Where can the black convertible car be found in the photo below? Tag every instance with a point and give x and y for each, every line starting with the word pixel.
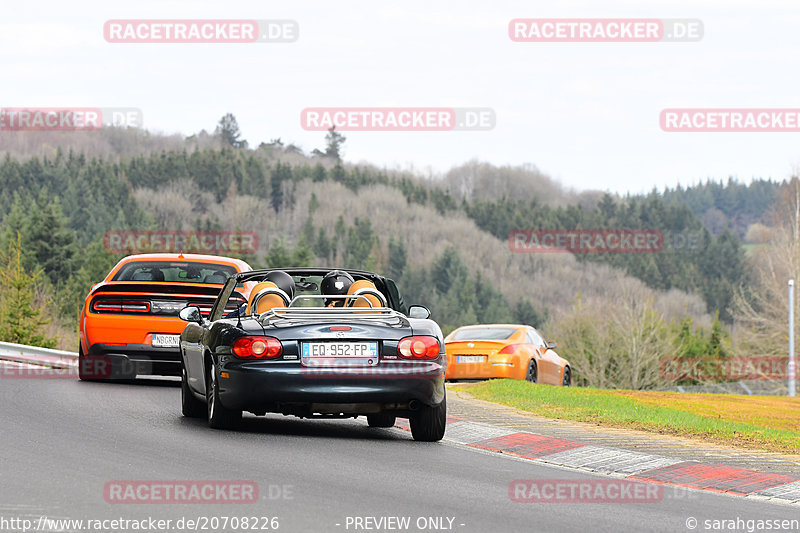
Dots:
pixel 314 342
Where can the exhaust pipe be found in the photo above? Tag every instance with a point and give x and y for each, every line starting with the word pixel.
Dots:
pixel 413 405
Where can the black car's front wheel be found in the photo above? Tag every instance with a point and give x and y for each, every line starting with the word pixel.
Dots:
pixel 428 423
pixel 381 420
pixel 219 416
pixel 190 406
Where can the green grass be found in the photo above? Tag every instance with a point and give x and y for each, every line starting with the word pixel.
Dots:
pixel 765 423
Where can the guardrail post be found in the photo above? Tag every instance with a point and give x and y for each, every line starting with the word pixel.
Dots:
pixel 792 365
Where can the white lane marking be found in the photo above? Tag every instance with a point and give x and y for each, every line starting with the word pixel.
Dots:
pixel 610 460
pixel 470 432
pixel 790 491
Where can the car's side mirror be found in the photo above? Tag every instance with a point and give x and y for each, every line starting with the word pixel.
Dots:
pixel 191 314
pixel 419 311
pixel 551 345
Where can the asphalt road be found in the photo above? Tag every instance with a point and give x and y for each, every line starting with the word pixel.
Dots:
pixel 61 441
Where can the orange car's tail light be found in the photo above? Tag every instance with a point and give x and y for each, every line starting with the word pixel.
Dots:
pixel 121 306
pixel 418 347
pixel 257 347
pixel 509 349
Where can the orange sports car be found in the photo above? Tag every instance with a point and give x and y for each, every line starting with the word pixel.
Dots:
pixel 504 351
pixel 129 324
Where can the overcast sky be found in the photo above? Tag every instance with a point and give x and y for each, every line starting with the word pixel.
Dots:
pixel 585 113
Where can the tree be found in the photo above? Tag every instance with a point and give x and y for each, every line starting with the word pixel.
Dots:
pixel 322 246
pixel 525 313
pixel 95 264
pixel 48 243
pixel 280 174
pixel 761 306
pixel 398 258
pixel 615 344
pixel 20 320
pixel 279 256
pixel 313 204
pixel 319 173
pixel 334 141
pixel 360 240
pixel 228 130
pixel 303 256
pixel 446 269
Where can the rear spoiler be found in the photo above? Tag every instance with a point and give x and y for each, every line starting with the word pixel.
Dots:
pixel 194 289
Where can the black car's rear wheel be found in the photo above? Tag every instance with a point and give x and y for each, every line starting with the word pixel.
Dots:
pixel 190 406
pixel 428 423
pixel 532 374
pixel 219 417
pixel 381 420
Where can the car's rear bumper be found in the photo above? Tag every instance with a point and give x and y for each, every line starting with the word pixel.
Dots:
pixel 273 387
pixel 486 370
pixel 129 329
pixel 139 359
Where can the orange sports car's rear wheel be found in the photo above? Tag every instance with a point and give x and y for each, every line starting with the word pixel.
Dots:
pixel 532 374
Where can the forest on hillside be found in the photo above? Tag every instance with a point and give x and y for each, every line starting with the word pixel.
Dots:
pixel 442 238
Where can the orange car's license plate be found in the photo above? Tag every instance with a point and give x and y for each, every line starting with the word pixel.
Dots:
pixel 161 340
pixel 469 359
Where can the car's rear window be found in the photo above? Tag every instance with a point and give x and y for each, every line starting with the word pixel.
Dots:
pixel 483 334
pixel 174 272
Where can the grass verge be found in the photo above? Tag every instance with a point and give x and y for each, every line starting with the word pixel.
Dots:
pixel 757 422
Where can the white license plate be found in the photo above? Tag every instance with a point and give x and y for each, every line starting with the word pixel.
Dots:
pixel 340 349
pixel 161 340
pixel 469 359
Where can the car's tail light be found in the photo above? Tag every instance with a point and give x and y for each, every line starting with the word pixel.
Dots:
pixel 121 306
pixel 418 347
pixel 257 347
pixel 509 349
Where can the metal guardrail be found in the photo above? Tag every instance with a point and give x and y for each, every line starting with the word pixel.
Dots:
pixel 22 353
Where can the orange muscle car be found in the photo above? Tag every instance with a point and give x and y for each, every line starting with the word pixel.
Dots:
pixel 129 324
